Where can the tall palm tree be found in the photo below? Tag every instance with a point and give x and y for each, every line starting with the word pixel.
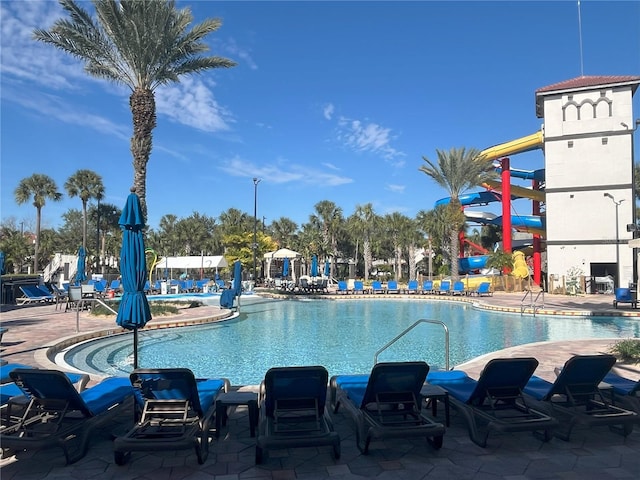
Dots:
pixel 330 218
pixel 40 188
pixel 365 223
pixel 457 170
pixel 284 231
pixel 85 184
pixel 141 45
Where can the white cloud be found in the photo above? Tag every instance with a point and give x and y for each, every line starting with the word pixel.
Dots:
pixel 284 172
pixel 396 188
pixel 328 110
pixel 238 54
pixel 191 103
pixel 369 137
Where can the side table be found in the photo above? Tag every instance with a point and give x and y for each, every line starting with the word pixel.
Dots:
pixel 233 399
pixel 432 395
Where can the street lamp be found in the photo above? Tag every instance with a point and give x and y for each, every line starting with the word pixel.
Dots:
pixel 617 204
pixel 256 181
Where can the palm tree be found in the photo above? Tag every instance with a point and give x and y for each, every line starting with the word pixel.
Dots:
pixel 329 216
pixel 365 222
pixel 141 45
pixel 40 188
pixel 85 184
pixel 456 171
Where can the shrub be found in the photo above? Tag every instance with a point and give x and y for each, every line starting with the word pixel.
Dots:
pixel 627 350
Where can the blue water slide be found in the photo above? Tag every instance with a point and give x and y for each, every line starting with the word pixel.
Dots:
pixel 519 222
pixel 525 174
pixel 468 264
pixel 475 198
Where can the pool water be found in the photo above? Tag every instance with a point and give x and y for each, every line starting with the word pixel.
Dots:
pixel 342 335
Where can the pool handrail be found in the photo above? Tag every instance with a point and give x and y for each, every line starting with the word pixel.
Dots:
pixel 411 327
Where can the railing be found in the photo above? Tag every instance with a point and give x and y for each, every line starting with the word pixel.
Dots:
pixel 52 268
pixel 533 305
pixel 91 300
pixel 408 329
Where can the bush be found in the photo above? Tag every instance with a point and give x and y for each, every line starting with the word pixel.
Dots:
pixel 627 350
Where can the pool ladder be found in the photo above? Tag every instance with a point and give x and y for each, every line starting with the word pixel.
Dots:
pixel 533 304
pixel 408 329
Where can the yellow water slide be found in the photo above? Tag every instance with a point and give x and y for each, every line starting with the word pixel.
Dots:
pixel 516 190
pixel 520 145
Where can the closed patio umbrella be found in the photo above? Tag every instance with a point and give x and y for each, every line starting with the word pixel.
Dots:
pixel 1 263
pixel 134 312
pixel 285 268
pixel 314 266
pixel 81 274
pixel 327 268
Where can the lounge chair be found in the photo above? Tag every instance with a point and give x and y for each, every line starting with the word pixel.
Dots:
pixel 458 288
pixel 575 398
pixel 624 295
pixel 376 287
pixel 495 401
pixel 387 403
pixel 177 412
pixel 445 288
pixel 60 295
pixel 6 369
pixel 10 391
pixel 622 390
pixel 483 290
pixel 57 415
pixel 358 287
pixel 342 287
pixel 392 287
pixel 114 287
pixel 412 286
pixel 293 411
pixel 427 286
pixel 33 294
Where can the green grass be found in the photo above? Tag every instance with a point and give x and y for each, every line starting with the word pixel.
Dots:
pixel 158 309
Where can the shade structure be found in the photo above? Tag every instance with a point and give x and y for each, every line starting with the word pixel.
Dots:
pixel 314 266
pixel 285 268
pixel 134 312
pixel 81 274
pixel 327 268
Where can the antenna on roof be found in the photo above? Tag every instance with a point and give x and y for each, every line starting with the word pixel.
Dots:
pixel 580 40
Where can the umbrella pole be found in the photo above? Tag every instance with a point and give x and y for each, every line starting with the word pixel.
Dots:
pixel 135 348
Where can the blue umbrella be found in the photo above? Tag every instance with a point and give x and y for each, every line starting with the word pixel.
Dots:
pixel 81 275
pixel 133 312
pixel 327 268
pixel 314 266
pixel 285 268
pixel 1 263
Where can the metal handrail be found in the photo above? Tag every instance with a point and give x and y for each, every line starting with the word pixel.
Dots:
pixel 92 301
pixel 406 330
pixel 522 307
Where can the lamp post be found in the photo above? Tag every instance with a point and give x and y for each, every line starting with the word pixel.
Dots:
pixel 617 204
pixel 256 181
pixel 98 236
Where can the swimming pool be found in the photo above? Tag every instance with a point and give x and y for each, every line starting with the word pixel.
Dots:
pixel 342 335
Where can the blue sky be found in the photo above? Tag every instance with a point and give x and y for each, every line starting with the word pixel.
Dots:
pixel 329 101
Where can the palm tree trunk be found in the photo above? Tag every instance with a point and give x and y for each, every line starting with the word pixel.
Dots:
pixel 143 110
pixel 454 252
pixel 366 247
pixel 37 244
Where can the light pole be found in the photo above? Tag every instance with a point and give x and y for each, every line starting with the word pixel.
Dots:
pixel 256 181
pixel 617 204
pixel 98 236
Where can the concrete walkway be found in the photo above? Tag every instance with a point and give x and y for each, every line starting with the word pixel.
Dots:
pixel 591 454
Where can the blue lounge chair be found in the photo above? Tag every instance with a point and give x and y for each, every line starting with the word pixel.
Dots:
pixel 624 295
pixel 483 290
pixel 427 286
pixel 392 287
pixel 57 415
pixel 10 391
pixel 445 287
pixel 495 401
pixel 293 411
pixel 575 398
pixel 387 404
pixel 358 287
pixel 376 287
pixel 177 412
pixel 458 288
pixel 33 294
pixel 342 287
pixel 624 391
pixel 412 286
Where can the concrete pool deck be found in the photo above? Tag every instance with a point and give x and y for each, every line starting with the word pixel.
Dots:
pixel 591 453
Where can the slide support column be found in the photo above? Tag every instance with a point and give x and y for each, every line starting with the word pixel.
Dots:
pixel 506 204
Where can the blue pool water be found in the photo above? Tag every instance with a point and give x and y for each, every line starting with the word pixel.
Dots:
pixel 341 335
